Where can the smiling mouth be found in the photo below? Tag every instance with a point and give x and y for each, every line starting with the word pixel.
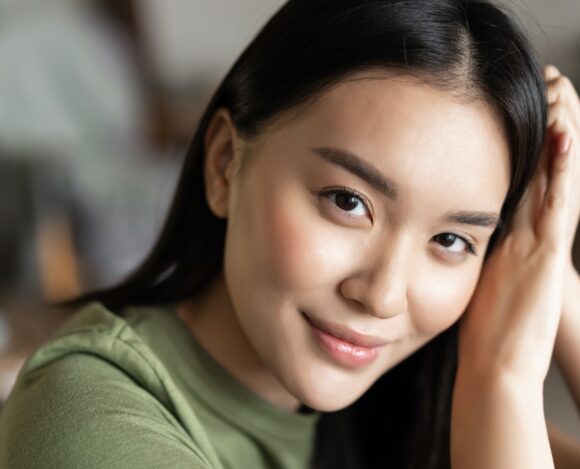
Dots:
pixel 346 334
pixel 341 351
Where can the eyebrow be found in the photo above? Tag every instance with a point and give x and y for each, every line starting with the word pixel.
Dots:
pixel 368 173
pixel 485 219
pixel 359 167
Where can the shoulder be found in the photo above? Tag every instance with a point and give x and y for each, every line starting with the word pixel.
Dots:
pixel 93 396
pixel 94 331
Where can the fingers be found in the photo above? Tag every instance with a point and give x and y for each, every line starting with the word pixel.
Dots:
pixel 564 131
pixel 553 222
pixel 559 138
pixel 561 97
pixel 531 204
pixel 550 186
pixel 551 72
pixel 557 123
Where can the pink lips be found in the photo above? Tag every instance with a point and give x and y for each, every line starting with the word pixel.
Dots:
pixel 344 352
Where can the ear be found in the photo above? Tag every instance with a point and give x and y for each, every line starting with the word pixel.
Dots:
pixel 221 161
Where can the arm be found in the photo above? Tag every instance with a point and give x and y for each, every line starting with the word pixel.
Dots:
pixel 486 409
pixel 567 347
pixel 565 449
pixel 496 422
pixel 496 411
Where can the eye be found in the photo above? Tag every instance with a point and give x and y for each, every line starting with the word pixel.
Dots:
pixel 448 240
pixel 347 200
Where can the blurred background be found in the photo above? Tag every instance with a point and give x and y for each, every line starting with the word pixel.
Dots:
pixel 98 101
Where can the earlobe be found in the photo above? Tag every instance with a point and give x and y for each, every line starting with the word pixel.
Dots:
pixel 221 157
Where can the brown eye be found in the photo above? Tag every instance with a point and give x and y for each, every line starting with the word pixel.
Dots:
pixel 347 200
pixel 447 240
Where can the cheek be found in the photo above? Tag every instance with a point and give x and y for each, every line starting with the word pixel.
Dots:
pixel 439 300
pixel 295 252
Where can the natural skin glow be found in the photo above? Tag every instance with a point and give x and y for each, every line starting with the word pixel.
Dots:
pixel 398 269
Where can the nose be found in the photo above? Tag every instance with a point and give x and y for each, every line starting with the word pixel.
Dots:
pixel 381 286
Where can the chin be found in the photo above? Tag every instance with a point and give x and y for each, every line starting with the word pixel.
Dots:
pixel 325 391
pixel 331 401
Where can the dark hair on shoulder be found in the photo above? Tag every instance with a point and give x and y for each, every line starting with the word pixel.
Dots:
pixel 472 48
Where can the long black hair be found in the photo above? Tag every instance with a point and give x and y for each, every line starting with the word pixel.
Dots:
pixel 473 48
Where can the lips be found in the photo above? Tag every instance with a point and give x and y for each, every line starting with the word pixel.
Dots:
pixel 347 334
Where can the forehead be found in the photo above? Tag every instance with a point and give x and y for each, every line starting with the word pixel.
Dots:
pixel 424 137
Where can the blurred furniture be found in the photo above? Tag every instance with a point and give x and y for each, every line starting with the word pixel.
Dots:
pixel 36 244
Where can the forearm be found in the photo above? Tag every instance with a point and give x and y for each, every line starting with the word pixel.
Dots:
pixel 498 424
pixel 565 448
pixel 567 347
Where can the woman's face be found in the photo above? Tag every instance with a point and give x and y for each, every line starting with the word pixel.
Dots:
pixel 393 260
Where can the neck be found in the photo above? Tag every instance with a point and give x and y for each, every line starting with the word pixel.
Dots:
pixel 211 319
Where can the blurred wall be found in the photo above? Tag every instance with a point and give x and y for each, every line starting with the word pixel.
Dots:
pixel 200 39
pixel 560 22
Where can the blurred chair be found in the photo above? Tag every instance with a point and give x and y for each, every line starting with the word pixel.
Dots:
pixel 16 207
pixel 37 255
pixel 36 238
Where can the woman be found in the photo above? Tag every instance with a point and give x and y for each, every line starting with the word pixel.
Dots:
pixel 347 277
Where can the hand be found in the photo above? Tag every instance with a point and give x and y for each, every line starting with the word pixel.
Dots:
pixel 510 325
pixel 564 131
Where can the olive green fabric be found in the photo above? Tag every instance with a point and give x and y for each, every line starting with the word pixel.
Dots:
pixel 137 390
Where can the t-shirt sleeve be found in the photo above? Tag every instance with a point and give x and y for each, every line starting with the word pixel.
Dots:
pixel 82 411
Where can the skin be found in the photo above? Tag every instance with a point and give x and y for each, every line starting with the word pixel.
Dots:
pixel 529 289
pixel 382 265
pixel 382 269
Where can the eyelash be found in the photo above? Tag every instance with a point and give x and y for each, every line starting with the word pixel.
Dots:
pixel 470 247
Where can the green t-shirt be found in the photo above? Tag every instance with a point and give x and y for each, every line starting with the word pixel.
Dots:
pixel 137 390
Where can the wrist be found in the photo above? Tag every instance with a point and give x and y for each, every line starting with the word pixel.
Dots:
pixel 498 421
pixel 489 381
pixel 570 295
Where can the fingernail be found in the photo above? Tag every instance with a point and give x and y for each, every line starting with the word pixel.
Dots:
pixel 564 144
pixel 553 68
